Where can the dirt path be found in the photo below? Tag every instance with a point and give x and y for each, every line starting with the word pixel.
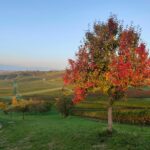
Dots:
pixel 41 91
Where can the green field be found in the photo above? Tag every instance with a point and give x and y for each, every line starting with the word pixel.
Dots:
pixel 52 132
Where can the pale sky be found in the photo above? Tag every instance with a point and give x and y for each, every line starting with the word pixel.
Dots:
pixel 45 33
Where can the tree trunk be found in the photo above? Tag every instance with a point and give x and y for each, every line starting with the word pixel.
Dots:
pixel 110 119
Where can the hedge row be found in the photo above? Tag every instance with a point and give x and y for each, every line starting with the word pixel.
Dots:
pixel 124 116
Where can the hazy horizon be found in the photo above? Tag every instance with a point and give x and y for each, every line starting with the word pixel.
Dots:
pixel 44 34
pixel 24 67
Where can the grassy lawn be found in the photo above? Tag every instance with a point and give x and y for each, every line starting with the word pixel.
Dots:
pixel 52 132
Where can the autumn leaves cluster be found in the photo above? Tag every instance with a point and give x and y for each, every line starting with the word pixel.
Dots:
pixel 111 59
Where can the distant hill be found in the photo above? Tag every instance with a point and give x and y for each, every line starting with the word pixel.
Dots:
pixel 30 73
pixel 9 68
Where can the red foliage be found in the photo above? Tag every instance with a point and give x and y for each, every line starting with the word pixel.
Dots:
pixel 111 57
pixel 128 39
pixel 79 95
pixel 112 26
pixel 131 67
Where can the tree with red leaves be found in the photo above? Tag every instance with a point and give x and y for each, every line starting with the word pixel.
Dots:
pixel 111 59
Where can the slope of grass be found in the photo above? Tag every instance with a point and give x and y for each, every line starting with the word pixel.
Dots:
pixel 52 132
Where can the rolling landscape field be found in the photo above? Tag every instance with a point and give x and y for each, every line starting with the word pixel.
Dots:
pixel 87 118
pixel 29 83
pixel 48 86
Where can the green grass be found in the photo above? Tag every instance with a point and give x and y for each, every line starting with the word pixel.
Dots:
pixel 52 132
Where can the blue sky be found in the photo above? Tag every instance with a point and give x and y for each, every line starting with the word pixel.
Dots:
pixel 45 33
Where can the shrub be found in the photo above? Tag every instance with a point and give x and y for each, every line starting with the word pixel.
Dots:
pixel 64 106
pixel 122 116
pixel 39 106
pixel 28 106
pixel 2 106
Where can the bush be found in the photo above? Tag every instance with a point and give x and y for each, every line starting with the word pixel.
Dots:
pixel 64 106
pixel 39 106
pixel 24 106
pixel 122 116
pixel 2 106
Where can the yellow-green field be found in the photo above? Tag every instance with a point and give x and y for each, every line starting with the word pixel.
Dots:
pixel 31 84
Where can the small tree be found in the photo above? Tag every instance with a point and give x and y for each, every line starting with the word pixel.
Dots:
pixel 64 106
pixel 110 60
